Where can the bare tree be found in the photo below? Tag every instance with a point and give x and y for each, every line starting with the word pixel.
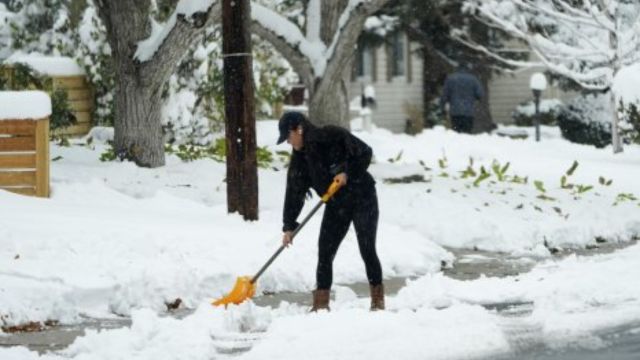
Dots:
pixel 144 56
pixel 321 51
pixel 588 41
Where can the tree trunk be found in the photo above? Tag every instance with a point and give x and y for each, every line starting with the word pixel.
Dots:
pixel 616 141
pixel 331 107
pixel 242 171
pixel 137 125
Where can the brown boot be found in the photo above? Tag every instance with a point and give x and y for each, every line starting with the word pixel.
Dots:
pixel 320 300
pixel 377 297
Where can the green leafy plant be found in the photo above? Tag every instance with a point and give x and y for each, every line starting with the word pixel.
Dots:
pixel 519 180
pixel 217 151
pixel 396 158
pixel 582 188
pixel 108 155
pixel 469 171
pixel 604 181
pixel 442 162
pixel 484 174
pixel 500 171
pixel 539 186
pixel 622 197
pixel 573 168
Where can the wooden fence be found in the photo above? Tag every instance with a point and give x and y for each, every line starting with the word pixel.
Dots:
pixel 24 156
pixel 80 96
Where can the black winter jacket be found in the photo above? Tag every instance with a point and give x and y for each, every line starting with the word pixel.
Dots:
pixel 327 152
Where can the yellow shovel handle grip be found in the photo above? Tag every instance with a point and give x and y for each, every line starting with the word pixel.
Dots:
pixel 335 185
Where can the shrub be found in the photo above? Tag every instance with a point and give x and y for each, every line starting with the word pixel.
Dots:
pixel 524 114
pixel 587 120
pixel 630 122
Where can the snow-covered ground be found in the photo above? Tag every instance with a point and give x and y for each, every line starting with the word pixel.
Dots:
pixel 117 239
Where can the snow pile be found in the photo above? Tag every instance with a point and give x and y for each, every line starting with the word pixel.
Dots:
pixel 625 84
pixel 22 105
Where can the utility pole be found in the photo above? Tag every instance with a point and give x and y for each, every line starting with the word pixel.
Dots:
pixel 240 121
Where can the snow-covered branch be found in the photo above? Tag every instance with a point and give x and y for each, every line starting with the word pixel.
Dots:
pixel 494 54
pixel 195 13
pixel 589 44
pixel 305 56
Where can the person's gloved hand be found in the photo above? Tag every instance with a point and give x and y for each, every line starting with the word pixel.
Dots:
pixel 341 179
pixel 287 238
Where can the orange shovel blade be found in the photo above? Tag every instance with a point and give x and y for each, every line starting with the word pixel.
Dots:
pixel 242 290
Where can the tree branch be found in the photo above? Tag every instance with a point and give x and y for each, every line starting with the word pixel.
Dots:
pixel 287 39
pixel 183 34
pixel 342 48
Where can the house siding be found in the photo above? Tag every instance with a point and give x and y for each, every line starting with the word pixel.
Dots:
pixel 509 90
pixel 393 94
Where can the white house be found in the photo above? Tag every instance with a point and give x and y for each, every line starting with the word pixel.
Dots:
pixel 395 71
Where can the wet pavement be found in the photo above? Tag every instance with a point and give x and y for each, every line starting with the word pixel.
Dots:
pixel 525 338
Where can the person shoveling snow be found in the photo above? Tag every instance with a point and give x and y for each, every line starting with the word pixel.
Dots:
pixel 320 156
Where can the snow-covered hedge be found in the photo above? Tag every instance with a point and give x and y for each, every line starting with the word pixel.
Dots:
pixel 587 120
pixel 524 114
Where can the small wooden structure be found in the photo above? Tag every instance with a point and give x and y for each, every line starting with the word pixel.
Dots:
pixel 62 73
pixel 24 153
pixel 80 96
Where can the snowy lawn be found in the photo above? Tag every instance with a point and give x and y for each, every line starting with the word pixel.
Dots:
pixel 117 239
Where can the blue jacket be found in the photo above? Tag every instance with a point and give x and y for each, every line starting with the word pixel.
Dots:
pixel 461 90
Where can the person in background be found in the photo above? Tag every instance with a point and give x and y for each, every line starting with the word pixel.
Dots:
pixel 461 90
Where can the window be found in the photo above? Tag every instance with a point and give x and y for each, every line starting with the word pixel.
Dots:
pixel 364 61
pixel 397 54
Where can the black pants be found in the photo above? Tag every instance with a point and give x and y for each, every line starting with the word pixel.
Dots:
pixel 462 124
pixel 359 206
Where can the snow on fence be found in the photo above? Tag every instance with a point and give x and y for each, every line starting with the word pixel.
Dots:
pixel 24 142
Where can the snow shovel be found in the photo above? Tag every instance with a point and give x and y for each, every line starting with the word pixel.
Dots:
pixel 245 286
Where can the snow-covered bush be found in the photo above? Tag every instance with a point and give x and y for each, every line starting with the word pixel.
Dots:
pixel 630 122
pixel 524 114
pixel 587 120
pixel 625 85
pixel 94 54
pixel 41 26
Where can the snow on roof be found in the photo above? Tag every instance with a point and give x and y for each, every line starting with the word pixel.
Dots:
pixel 24 105
pixel 625 84
pixel 47 65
